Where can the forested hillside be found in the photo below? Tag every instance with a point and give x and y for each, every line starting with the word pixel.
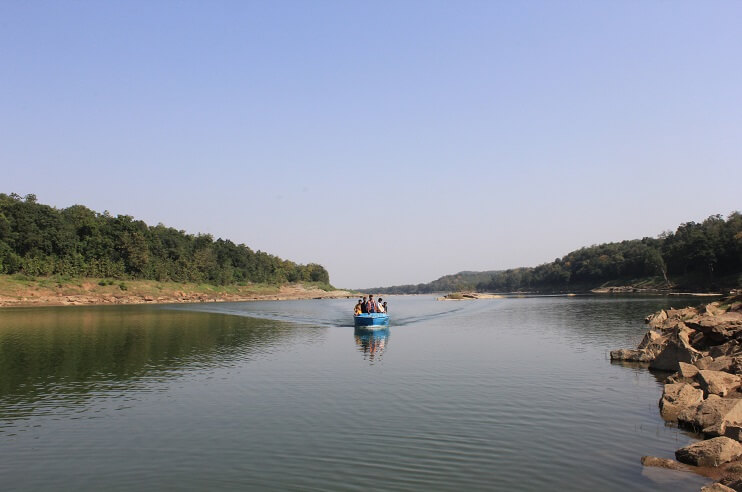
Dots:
pixel 700 256
pixel 37 239
pixel 448 283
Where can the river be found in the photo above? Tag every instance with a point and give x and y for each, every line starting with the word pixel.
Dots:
pixel 493 394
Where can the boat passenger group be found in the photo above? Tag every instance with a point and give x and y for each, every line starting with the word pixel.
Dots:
pixel 368 305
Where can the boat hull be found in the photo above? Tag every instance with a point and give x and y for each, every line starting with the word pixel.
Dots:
pixel 371 320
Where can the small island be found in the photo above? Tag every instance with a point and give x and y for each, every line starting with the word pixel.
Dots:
pixel 468 296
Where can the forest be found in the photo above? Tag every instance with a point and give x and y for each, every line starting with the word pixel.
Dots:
pixel 40 240
pixel 704 256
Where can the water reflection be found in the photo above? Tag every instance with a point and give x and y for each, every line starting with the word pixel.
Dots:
pixel 56 359
pixel 371 342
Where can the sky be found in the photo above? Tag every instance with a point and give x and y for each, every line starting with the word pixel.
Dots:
pixel 392 142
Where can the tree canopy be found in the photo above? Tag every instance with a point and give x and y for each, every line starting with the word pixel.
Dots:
pixel 37 240
pixel 706 256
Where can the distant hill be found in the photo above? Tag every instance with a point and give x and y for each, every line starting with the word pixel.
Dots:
pixel 39 240
pixel 448 283
pixel 704 256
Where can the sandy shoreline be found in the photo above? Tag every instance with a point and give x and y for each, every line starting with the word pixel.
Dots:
pixel 38 297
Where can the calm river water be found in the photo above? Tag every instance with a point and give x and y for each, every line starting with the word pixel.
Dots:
pixel 497 394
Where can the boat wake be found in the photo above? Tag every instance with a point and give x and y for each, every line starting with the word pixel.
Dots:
pixel 334 312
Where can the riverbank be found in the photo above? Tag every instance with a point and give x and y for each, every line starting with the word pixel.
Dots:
pixel 16 290
pixel 467 296
pixel 630 289
pixel 700 350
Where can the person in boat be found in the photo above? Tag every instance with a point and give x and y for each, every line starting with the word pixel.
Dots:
pixel 357 310
pixel 385 307
pixel 364 305
pixel 370 305
pixel 380 306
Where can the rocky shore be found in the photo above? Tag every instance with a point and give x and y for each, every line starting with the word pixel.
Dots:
pixel 700 348
pixel 630 289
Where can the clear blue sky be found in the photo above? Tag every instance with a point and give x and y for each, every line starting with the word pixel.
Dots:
pixel 392 142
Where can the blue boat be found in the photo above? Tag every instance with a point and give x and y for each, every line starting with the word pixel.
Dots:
pixel 371 319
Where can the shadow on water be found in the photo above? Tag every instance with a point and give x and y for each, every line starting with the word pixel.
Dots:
pixel 371 342
pixel 60 357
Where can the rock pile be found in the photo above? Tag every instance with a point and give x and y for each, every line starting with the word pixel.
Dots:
pixel 702 348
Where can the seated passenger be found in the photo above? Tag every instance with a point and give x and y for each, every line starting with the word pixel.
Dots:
pixel 357 309
pixel 380 306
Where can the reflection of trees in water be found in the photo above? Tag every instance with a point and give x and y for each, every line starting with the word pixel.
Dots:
pixel 371 342
pixel 61 356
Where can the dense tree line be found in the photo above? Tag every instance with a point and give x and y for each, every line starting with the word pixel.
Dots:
pixel 37 240
pixel 706 255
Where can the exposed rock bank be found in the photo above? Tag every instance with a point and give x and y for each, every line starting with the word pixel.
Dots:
pixel 468 296
pixel 702 348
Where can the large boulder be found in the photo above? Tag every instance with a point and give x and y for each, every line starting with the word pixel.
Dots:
pixel 687 371
pixel 733 482
pixel 655 345
pixel 719 328
pixel 718 382
pixel 650 338
pixel 726 363
pixel 678 396
pixel 671 325
pixel 713 308
pixel 655 320
pixel 717 487
pixel 677 349
pixel 682 314
pixel 712 452
pixel 730 348
pixel 712 415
